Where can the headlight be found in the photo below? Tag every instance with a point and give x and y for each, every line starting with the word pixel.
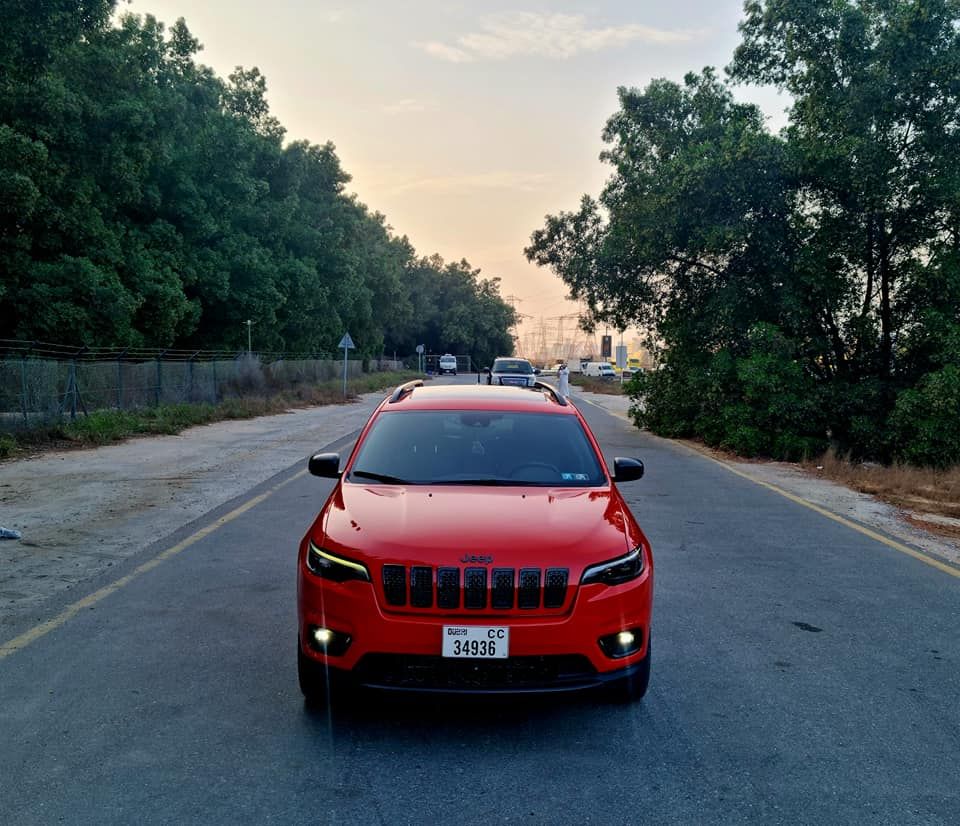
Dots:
pixel 327 565
pixel 616 571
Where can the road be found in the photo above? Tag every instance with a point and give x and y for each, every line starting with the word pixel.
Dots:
pixel 802 673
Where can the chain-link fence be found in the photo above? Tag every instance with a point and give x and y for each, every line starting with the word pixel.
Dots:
pixel 41 383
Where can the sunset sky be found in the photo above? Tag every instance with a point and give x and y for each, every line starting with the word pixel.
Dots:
pixel 464 122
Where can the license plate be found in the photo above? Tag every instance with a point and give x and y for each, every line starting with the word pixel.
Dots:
pixel 484 642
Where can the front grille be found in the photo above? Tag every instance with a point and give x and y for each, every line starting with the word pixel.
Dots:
pixel 448 587
pixel 504 589
pixel 501 588
pixel 529 596
pixel 428 672
pixel 555 587
pixel 395 584
pixel 475 588
pixel 421 586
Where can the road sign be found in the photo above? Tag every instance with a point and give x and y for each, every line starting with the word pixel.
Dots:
pixel 346 344
pixel 419 348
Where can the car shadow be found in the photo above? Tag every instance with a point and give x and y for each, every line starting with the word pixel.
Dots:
pixel 460 716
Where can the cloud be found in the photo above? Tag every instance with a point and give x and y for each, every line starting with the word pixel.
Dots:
pixel 444 52
pixel 556 36
pixel 503 179
pixel 405 106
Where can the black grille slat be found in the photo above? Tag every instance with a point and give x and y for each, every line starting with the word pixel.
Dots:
pixel 528 594
pixel 421 586
pixel 501 588
pixel 555 587
pixel 475 588
pixel 448 587
pixel 395 584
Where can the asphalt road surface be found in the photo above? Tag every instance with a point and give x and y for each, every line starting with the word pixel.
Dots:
pixel 802 673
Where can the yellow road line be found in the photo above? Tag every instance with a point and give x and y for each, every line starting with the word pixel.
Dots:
pixel 890 543
pixel 44 628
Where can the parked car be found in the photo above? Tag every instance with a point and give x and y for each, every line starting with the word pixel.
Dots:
pixel 599 369
pixel 512 371
pixel 447 364
pixel 428 568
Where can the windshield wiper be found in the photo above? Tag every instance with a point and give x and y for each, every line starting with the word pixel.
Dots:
pixel 381 477
pixel 487 481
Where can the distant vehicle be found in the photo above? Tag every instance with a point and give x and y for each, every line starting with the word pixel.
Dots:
pixel 474 542
pixel 599 370
pixel 515 372
pixel 447 364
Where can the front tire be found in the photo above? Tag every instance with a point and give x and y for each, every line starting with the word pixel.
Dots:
pixel 632 688
pixel 313 678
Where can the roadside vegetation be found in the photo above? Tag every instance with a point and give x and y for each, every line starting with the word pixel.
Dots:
pixel 917 490
pixel 595 385
pixel 146 202
pixel 801 289
pixel 103 427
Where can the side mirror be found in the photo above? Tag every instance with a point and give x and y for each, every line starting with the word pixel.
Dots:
pixel 326 465
pixel 627 470
pixel 536 371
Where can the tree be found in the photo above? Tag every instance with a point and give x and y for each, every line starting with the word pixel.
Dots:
pixel 873 133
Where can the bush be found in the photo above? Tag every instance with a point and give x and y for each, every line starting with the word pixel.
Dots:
pixel 7 445
pixel 760 403
pixel 925 423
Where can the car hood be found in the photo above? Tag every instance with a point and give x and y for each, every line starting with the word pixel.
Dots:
pixel 440 525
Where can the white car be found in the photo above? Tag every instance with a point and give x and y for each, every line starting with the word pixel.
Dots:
pixel 515 372
pixel 447 364
pixel 599 370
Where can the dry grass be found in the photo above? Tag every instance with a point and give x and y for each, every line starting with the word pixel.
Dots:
pixel 921 490
pixel 594 385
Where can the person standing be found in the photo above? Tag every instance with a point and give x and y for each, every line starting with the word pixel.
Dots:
pixel 563 376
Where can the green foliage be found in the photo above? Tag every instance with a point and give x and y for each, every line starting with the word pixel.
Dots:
pixel 801 287
pixel 144 201
pixel 925 423
pixel 760 403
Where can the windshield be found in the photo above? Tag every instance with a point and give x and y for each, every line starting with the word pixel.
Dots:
pixel 477 447
pixel 512 366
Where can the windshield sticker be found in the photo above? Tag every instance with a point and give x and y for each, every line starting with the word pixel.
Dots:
pixel 574 477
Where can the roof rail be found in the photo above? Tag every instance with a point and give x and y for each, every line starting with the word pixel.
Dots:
pixel 404 388
pixel 549 388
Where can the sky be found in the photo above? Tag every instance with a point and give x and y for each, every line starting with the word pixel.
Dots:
pixel 465 123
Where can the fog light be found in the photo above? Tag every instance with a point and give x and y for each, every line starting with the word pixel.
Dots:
pixel 327 641
pixel 622 644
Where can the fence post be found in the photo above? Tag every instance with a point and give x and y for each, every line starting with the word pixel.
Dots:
pixel 190 377
pixel 215 400
pixel 23 388
pixel 72 390
pixel 120 380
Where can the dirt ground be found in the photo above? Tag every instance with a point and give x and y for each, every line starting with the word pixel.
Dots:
pixel 81 512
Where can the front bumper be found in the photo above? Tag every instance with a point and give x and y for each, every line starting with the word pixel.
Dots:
pixel 516 675
pixel 401 651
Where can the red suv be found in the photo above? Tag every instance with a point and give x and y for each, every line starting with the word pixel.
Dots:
pixel 475 542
